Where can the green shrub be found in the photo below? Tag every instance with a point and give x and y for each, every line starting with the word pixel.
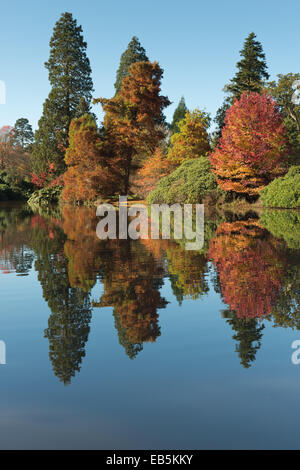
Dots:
pixel 284 225
pixel 190 183
pixel 13 188
pixel 45 196
pixel 283 192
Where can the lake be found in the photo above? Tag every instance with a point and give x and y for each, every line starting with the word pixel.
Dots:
pixel 124 344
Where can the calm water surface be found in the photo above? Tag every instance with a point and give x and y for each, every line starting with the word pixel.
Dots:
pixel 141 344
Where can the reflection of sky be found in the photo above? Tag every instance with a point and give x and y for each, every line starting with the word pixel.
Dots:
pixel 186 390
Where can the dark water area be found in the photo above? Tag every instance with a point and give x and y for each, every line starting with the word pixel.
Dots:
pixel 136 344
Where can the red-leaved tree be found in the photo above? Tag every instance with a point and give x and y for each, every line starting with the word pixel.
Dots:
pixel 253 146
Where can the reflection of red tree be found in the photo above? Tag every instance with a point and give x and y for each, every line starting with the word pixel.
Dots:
pixel 249 265
pixel 38 221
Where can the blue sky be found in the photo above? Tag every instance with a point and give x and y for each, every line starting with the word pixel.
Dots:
pixel 197 44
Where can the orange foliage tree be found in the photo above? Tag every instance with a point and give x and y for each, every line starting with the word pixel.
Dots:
pixel 89 172
pixel 192 140
pixel 152 170
pixel 253 146
pixel 134 119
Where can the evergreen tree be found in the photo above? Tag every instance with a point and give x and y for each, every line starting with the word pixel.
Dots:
pixel 220 119
pixel 250 76
pixel 178 115
pixel 70 78
pixel 252 69
pixel 134 53
pixel 84 108
pixel 23 134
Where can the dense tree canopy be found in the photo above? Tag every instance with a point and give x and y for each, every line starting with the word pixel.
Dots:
pixel 133 118
pixel 88 175
pixel 286 93
pixel 192 140
pixel 253 148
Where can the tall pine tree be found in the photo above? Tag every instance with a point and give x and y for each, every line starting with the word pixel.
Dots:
pixel 250 76
pixel 252 69
pixel 22 134
pixel 134 53
pixel 178 115
pixel 70 78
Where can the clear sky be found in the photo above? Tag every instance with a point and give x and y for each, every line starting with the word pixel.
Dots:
pixel 196 42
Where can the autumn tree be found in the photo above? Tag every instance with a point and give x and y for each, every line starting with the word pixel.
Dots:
pixel 192 140
pixel 133 118
pixel 253 148
pixel 88 174
pixel 178 115
pixel 70 79
pixel 134 53
pixel 153 169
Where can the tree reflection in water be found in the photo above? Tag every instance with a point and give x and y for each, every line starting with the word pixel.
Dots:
pixel 256 272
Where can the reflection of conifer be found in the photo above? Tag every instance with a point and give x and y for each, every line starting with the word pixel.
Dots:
pixel 131 349
pixel 248 335
pixel 68 325
pixel 68 331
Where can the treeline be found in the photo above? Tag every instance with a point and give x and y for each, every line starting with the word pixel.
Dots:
pixel 134 151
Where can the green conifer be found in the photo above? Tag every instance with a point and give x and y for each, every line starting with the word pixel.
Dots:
pixel 70 78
